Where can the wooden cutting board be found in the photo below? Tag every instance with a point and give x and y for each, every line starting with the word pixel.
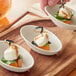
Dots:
pixel 57 65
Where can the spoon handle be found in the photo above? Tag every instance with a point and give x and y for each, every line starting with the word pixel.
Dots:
pixel 62 2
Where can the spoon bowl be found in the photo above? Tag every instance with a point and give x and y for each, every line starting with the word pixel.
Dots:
pixel 28 33
pixel 27 59
pixel 51 12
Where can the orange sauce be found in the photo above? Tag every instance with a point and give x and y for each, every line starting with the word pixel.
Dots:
pixel 46 47
pixel 5 6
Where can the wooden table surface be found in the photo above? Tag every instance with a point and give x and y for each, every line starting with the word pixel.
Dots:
pixel 15 34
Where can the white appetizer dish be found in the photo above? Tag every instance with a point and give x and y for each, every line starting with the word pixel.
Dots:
pixel 51 12
pixel 27 59
pixel 28 33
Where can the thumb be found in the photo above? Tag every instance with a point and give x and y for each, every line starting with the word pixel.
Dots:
pixel 52 2
pixel 44 3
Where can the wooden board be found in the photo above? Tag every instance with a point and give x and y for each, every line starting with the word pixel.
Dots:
pixel 73 73
pixel 55 65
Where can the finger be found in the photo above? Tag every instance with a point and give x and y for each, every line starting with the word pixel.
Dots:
pixel 44 3
pixel 52 2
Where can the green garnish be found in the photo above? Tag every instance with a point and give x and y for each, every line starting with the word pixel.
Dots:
pixel 10 41
pixel 7 62
pixel 4 60
pixel 20 57
pixel 61 18
pixel 41 28
pixel 34 43
pixel 46 44
pixel 10 61
pixel 72 15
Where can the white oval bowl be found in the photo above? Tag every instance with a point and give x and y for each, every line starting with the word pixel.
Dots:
pixel 28 33
pixel 51 12
pixel 28 60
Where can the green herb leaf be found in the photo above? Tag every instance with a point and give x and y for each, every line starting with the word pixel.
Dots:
pixel 41 28
pixel 10 41
pixel 60 18
pixel 46 44
pixel 72 15
pixel 10 62
pixel 7 62
pixel 4 60
pixel 19 57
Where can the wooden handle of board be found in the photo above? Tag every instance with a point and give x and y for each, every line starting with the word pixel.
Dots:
pixel 26 19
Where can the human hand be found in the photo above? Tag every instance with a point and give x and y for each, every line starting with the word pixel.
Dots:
pixel 51 2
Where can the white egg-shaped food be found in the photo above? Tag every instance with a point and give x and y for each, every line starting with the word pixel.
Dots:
pixel 65 12
pixel 11 53
pixel 41 39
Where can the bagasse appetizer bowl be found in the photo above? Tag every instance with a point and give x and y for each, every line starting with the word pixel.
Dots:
pixel 51 11
pixel 27 59
pixel 28 33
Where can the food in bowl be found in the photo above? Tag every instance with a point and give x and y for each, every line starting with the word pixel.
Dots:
pixel 64 14
pixel 11 56
pixel 42 40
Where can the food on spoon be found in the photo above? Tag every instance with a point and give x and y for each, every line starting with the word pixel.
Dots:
pixel 67 21
pixel 45 47
pixel 64 14
pixel 42 40
pixel 11 53
pixel 12 57
pixel 14 64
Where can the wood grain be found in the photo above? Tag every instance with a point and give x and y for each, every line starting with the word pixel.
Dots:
pixel 73 73
pixel 55 65
pixel 27 17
